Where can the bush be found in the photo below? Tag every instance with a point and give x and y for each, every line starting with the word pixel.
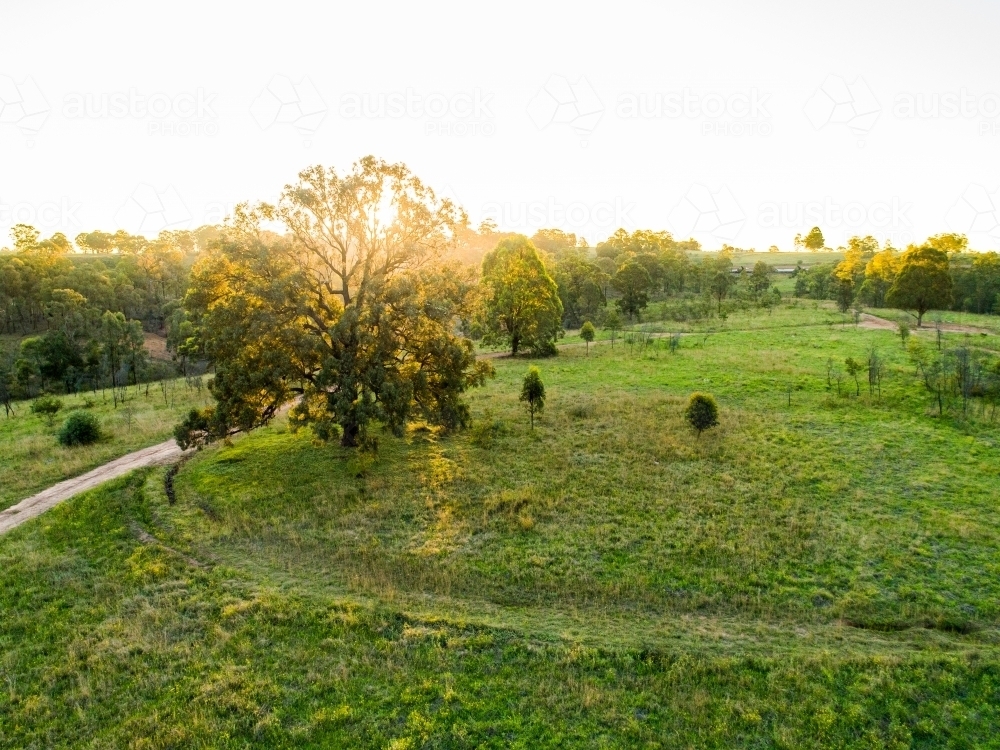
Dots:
pixel 702 412
pixel 80 428
pixel 46 407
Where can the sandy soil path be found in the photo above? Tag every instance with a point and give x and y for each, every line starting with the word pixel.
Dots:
pixel 877 323
pixel 156 455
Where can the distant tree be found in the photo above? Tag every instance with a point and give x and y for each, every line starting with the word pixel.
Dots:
pixel 880 273
pixel 721 280
pixel 47 407
pixel 554 241
pixel 813 241
pixel 773 249
pixel 760 279
pixel 702 412
pixel 923 282
pixel 533 393
pixel 122 348
pixel 613 323
pixel 581 286
pixel 632 282
pixel 949 242
pixel 521 306
pixel 96 242
pixel 849 273
pixel 25 237
pixel 587 333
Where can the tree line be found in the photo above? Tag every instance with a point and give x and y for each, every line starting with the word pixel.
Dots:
pixel 362 310
pixel 940 274
pixel 76 320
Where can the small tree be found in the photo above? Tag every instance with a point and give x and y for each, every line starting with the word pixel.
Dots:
pixel 904 332
pixel 533 393
pixel 853 369
pixel 702 412
pixel 47 407
pixel 587 333
pixel 613 323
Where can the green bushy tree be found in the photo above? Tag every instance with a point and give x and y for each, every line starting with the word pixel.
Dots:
pixel 587 333
pixel 702 412
pixel 80 428
pixel 533 393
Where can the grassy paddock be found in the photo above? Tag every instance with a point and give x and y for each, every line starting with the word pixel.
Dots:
pixel 820 570
pixel 34 460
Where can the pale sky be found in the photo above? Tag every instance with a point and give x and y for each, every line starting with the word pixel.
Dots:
pixel 734 122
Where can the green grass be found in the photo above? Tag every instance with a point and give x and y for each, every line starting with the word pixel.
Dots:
pixel 33 459
pixel 822 573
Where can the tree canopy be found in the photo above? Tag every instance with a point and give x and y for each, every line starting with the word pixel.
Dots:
pixel 352 310
pixel 520 300
pixel 923 282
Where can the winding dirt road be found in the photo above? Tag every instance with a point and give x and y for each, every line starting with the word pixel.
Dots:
pixel 155 455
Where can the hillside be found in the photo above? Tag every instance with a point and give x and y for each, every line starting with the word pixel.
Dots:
pixel 820 570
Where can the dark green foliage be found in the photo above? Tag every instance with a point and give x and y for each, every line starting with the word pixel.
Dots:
pixel 198 429
pixel 533 393
pixel 80 428
pixel 923 283
pixel 633 283
pixel 581 286
pixel 702 412
pixel 587 333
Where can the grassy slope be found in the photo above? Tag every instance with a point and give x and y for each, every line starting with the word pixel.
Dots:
pixel 604 581
pixel 34 460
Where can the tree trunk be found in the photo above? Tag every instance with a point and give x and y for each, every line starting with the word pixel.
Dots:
pixel 350 437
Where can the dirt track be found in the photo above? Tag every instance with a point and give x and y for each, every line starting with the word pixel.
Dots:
pixel 877 323
pixel 155 455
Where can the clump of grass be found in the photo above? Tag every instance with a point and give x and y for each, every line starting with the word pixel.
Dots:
pixel 487 430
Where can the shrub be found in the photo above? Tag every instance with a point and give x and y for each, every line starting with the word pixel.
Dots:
pixel 702 412
pixel 47 407
pixel 80 428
